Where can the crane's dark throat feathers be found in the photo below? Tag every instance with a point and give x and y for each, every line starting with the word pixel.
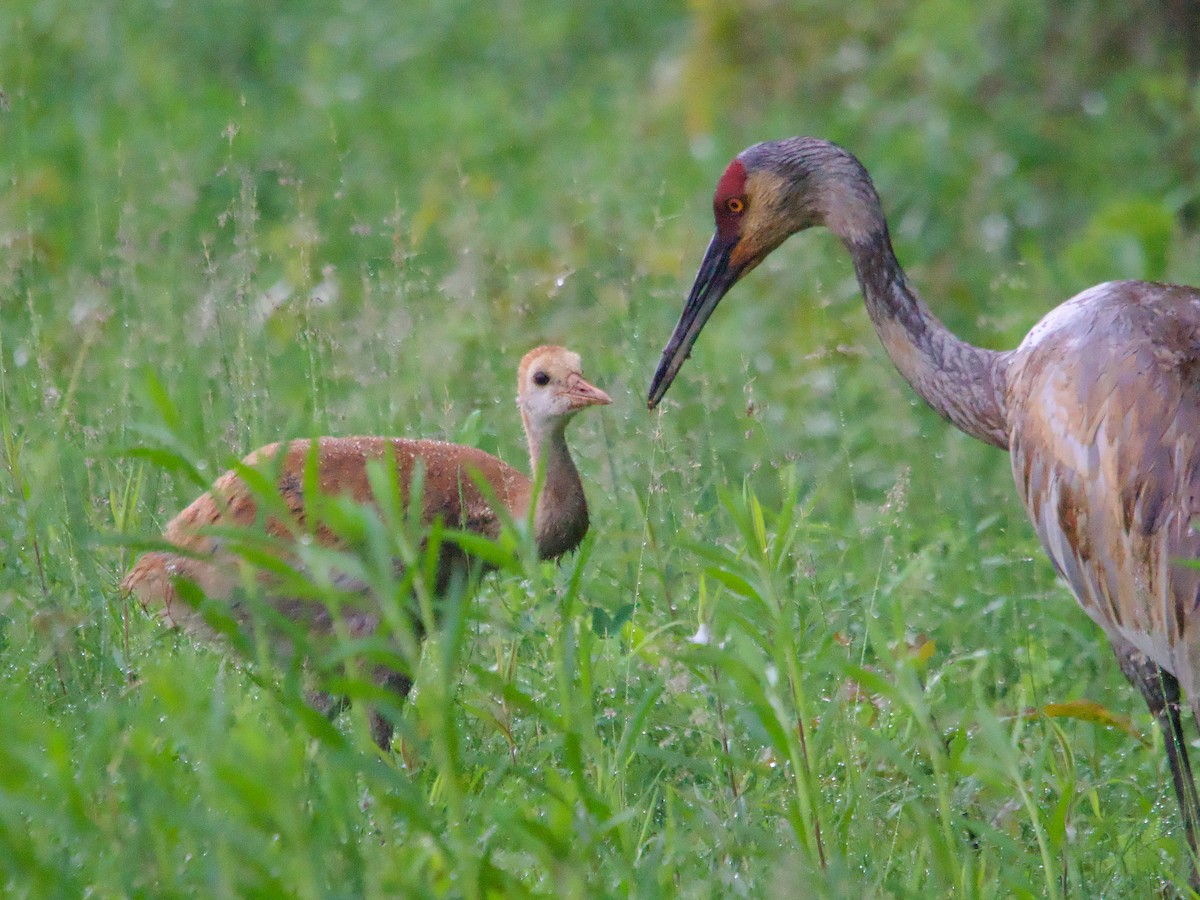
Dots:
pixel 561 515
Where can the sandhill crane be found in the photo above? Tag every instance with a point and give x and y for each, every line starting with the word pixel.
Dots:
pixel 1099 407
pixel 550 390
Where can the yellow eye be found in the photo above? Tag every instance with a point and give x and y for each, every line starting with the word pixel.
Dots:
pixel 735 205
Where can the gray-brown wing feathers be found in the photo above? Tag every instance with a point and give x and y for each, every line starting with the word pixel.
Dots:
pixel 1104 398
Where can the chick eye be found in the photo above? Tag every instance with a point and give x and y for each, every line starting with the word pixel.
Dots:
pixel 541 379
pixel 735 205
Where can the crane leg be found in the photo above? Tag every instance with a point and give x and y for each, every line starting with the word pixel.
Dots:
pixel 1161 691
pixel 381 726
pixel 330 706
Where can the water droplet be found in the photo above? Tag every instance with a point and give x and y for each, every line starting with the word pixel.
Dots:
pixel 1094 103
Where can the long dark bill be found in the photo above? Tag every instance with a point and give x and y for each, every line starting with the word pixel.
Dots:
pixel 712 281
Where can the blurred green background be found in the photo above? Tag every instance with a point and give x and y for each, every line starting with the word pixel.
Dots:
pixel 226 223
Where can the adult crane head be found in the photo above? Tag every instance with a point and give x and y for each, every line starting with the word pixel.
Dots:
pixel 769 192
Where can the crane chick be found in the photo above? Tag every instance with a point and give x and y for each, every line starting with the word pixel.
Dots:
pixel 550 390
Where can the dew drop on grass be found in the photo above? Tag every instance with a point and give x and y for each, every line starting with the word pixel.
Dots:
pixel 772 674
pixel 1094 103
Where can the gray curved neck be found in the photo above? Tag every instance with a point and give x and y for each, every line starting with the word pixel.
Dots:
pixel 560 518
pixel 965 384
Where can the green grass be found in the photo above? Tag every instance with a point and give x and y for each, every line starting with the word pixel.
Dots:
pixel 223 224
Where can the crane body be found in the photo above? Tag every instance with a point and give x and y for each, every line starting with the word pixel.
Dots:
pixel 1099 407
pixel 550 391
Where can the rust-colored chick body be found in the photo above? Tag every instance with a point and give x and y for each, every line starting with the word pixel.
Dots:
pixel 1099 406
pixel 450 494
pixel 551 389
